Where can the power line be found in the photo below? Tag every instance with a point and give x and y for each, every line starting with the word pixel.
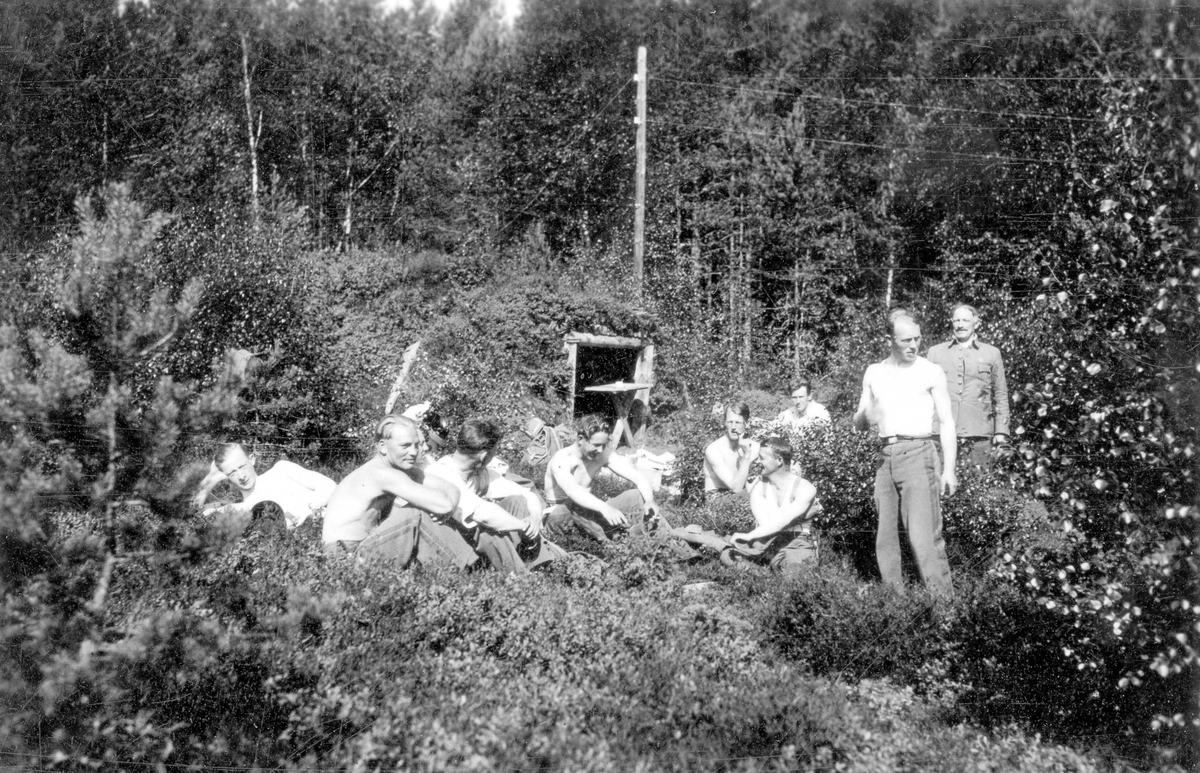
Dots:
pixel 992 157
pixel 877 103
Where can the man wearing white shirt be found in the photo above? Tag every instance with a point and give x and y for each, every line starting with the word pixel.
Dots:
pixel 297 491
pixel 507 516
pixel 901 395
pixel 805 411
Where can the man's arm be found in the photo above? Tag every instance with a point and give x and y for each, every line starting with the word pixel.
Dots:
pixel 560 468
pixel 732 476
pixel 941 406
pixel 320 486
pixel 209 483
pixel 866 402
pixel 494 517
pixel 500 487
pixel 472 509
pixel 434 496
pixel 773 519
pixel 623 467
pixel 1000 400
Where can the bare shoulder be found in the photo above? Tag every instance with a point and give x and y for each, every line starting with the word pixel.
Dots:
pixel 565 458
pixel 359 475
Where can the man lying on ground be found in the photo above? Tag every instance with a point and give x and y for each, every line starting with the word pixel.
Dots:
pixel 391 474
pixel 569 477
pixel 783 505
pixel 296 490
pixel 727 459
pixel 508 517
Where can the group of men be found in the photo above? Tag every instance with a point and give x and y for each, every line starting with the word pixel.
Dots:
pixel 924 410
pixel 457 511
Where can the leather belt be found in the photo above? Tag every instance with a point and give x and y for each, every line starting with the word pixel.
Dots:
pixel 890 439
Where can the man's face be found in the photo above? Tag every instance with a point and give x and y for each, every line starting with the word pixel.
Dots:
pixel 591 447
pixel 800 399
pixel 906 340
pixel 422 446
pixel 770 462
pixel 963 322
pixel 403 449
pixel 735 426
pixel 239 469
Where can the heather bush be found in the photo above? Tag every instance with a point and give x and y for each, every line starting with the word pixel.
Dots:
pixel 832 622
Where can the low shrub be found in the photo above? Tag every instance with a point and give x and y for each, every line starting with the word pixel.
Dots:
pixel 836 625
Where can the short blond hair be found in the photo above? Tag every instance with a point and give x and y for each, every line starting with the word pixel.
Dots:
pixel 384 429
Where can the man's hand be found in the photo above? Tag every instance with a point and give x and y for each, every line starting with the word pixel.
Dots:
pixel 533 527
pixel 751 447
pixel 613 517
pixel 949 482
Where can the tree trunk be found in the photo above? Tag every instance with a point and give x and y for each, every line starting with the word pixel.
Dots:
pixel 348 217
pixel 251 133
pixel 797 319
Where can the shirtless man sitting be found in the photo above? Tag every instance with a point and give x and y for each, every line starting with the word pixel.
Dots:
pixel 569 477
pixel 391 474
pixel 783 505
pixel 296 490
pixel 727 459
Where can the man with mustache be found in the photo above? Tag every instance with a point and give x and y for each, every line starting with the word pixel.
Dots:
pixel 902 395
pixel 727 459
pixel 978 390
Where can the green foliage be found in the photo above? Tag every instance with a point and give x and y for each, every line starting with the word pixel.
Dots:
pixel 95 426
pixel 498 350
pixel 810 165
pixel 988 655
pixel 835 625
pixel 262 296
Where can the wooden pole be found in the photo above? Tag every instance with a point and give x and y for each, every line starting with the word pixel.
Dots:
pixel 639 203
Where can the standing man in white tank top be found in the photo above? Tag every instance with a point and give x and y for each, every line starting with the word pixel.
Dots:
pixel 901 395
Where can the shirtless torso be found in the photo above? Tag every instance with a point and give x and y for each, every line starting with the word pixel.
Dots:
pixel 389 475
pixel 571 471
pixel 582 471
pixel 727 459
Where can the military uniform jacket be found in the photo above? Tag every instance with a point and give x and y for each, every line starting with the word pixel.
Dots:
pixel 978 391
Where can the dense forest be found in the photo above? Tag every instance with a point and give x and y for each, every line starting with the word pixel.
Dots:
pixel 322 184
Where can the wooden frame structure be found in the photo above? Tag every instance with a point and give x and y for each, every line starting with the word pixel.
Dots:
pixel 642 372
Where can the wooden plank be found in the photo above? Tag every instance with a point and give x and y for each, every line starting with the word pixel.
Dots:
pixel 572 357
pixel 615 342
